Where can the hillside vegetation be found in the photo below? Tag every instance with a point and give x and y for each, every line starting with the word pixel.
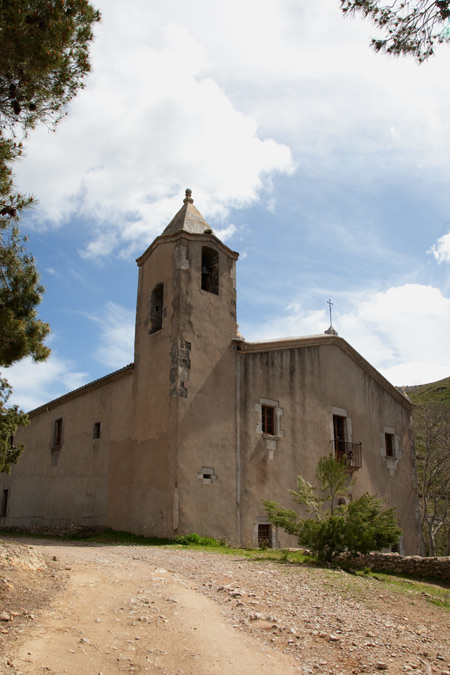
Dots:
pixel 434 392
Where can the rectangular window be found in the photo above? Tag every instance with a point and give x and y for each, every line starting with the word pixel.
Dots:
pixel 390 445
pixel 268 420
pixel 156 308
pixel 210 270
pixel 97 430
pixel 57 433
pixel 340 436
pixel 4 504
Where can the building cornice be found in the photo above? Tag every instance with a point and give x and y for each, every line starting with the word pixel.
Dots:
pixel 189 236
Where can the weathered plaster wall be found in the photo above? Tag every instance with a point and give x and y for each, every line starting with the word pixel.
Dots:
pixel 307 382
pixel 142 456
pixel 65 486
pixel 182 404
pixel 206 415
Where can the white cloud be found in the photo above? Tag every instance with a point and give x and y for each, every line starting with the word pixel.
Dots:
pixel 215 97
pixel 441 250
pixel 225 233
pixel 150 123
pixel 309 78
pixel 402 331
pixel 116 336
pixel 295 322
pixel 37 383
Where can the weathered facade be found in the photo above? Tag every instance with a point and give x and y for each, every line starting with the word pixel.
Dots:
pixel 203 425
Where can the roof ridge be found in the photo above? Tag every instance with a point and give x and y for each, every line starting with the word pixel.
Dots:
pixel 84 387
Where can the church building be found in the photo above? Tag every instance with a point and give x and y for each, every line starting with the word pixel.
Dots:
pixel 203 425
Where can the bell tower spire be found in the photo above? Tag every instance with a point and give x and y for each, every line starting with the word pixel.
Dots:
pixel 188 219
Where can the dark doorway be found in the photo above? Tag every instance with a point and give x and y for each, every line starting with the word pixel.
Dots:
pixel 265 535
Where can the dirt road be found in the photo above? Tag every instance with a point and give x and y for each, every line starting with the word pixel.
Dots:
pixel 116 609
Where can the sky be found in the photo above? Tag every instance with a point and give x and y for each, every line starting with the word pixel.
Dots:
pixel 325 165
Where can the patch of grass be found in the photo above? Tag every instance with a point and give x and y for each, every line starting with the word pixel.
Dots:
pixel 111 537
pixel 21 534
pixel 118 537
pixel 282 556
pixel 102 537
pixel 195 539
pixel 438 593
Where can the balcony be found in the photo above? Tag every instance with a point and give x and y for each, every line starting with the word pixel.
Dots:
pixel 348 453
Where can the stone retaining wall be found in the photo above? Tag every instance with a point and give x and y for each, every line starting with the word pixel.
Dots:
pixel 433 568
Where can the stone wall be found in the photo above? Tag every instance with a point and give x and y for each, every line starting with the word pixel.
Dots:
pixel 433 568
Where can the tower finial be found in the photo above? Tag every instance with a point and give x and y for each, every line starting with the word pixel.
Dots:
pixel 188 197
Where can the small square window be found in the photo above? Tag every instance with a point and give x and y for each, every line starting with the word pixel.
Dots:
pixel 207 475
pixel 389 441
pixel 268 420
pixel 97 430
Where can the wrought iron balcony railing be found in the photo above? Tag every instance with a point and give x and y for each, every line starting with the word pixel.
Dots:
pixel 349 453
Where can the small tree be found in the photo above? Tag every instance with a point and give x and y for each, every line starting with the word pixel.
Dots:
pixel 432 428
pixel 359 527
pixel 10 418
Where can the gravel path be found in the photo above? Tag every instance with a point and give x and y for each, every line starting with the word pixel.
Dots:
pixel 138 609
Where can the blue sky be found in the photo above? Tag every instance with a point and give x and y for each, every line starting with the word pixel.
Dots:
pixel 325 165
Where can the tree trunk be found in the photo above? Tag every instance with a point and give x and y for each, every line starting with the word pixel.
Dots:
pixel 431 543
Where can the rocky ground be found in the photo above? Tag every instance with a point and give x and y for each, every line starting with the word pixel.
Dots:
pixel 93 609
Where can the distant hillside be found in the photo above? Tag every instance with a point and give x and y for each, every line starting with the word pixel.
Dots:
pixel 429 393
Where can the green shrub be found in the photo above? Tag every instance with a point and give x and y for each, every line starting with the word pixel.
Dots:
pixel 195 539
pixel 359 527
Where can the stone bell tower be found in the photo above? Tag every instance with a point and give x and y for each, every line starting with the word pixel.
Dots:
pixel 183 444
pixel 186 290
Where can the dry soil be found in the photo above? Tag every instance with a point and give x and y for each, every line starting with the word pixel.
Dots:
pixel 96 609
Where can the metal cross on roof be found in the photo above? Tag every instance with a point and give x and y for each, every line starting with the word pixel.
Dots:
pixel 330 304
